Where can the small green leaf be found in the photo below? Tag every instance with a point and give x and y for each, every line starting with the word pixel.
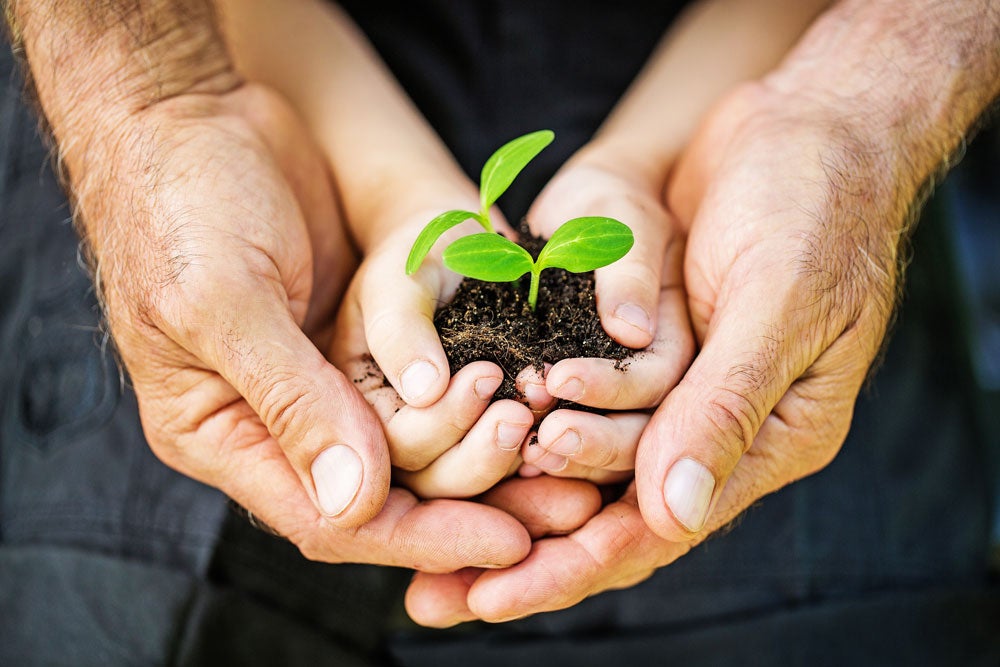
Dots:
pixel 487 257
pixel 504 165
pixel 431 233
pixel 585 244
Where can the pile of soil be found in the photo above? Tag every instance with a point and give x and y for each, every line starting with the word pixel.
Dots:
pixel 493 322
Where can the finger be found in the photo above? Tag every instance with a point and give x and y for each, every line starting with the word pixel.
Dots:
pixel 698 435
pixel 559 467
pixel 488 453
pixel 617 549
pixel 418 436
pixel 612 550
pixel 546 505
pixel 438 600
pixel 583 445
pixel 327 432
pixel 641 381
pixel 438 536
pixel 628 291
pixel 397 317
pixel 530 383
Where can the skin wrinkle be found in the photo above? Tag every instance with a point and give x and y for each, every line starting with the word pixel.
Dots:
pixel 174 46
pixel 760 372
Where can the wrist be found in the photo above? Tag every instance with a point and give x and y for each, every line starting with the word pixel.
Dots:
pixel 94 68
pixel 626 160
pixel 399 200
pixel 908 81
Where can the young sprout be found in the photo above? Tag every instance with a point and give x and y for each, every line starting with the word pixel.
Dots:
pixel 497 175
pixel 581 244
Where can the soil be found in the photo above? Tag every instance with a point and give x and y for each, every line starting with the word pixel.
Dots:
pixel 493 322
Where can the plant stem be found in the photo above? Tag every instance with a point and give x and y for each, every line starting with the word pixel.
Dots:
pixel 533 290
pixel 484 220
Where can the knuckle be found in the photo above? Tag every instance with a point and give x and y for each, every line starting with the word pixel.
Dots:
pixel 412 452
pixel 735 419
pixel 284 405
pixel 606 456
pixel 623 538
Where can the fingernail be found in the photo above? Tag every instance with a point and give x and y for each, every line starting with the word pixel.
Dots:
pixel 486 387
pixel 416 379
pixel 552 462
pixel 510 436
pixel 336 473
pixel 634 315
pixel 688 493
pixel 570 390
pixel 567 444
pixel 537 395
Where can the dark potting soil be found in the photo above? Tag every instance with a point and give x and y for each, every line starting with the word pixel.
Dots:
pixel 493 322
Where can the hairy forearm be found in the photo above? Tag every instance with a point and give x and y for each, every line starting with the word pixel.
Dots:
pixel 911 77
pixel 95 65
pixel 108 77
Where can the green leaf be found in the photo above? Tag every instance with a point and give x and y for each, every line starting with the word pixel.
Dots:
pixel 487 257
pixel 431 233
pixel 585 244
pixel 504 165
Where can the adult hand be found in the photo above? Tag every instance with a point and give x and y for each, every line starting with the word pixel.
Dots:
pixel 219 250
pixel 791 273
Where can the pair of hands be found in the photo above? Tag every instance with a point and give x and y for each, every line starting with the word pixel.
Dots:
pixel 239 263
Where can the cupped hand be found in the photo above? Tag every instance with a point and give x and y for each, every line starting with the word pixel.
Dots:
pixel 218 254
pixel 641 303
pixel 791 270
pixel 445 437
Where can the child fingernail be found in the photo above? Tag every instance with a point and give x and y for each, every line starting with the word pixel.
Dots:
pixel 510 436
pixel 486 387
pixel 537 396
pixel 567 444
pixel 552 462
pixel 634 315
pixel 570 390
pixel 417 379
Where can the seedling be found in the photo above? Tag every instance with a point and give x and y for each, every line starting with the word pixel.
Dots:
pixel 582 244
pixel 497 175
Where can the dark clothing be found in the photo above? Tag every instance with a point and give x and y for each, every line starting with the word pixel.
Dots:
pixel 107 557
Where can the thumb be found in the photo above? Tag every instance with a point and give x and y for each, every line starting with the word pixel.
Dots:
pixel 327 431
pixel 698 435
